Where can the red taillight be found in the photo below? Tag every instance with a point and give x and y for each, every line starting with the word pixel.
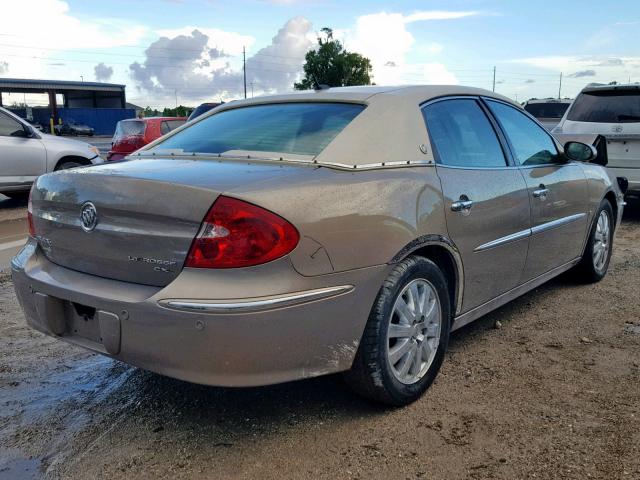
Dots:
pixel 32 229
pixel 238 234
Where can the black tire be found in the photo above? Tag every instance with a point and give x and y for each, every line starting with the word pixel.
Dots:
pixel 17 195
pixel 69 164
pixel 587 271
pixel 371 374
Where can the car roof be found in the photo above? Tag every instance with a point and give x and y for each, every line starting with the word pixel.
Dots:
pixel 367 94
pixel 601 87
pixel 390 132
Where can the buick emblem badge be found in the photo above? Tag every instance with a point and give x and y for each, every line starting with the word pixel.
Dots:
pixel 616 128
pixel 88 216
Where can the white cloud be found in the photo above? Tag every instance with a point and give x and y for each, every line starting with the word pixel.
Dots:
pixel 437 15
pixel 437 73
pixel 230 43
pixel 384 39
pixel 203 63
pixel 42 29
pixel 49 23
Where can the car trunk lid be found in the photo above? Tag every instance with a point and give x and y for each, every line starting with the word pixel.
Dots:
pixel 147 213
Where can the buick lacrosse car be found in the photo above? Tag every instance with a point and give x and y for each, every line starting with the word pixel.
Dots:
pixel 286 237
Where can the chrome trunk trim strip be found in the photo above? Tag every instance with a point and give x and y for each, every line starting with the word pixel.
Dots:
pixel 255 304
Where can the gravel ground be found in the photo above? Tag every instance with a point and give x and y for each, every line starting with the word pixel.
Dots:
pixel 546 387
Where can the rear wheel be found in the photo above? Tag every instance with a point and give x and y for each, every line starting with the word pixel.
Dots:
pixel 597 253
pixel 406 336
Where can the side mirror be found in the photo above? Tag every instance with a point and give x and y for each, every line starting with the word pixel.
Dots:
pixel 580 152
pixel 24 132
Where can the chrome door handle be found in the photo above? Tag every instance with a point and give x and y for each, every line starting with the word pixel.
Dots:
pixel 541 193
pixel 462 206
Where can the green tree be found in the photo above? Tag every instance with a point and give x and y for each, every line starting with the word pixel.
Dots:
pixel 330 64
pixel 180 111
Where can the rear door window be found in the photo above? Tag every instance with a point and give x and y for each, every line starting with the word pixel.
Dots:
pixel 295 128
pixel 462 135
pixel 609 106
pixel 530 143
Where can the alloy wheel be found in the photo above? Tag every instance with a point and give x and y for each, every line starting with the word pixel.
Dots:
pixel 414 331
pixel 602 241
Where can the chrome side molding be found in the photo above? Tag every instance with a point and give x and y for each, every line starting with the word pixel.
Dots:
pixel 529 231
pixel 254 304
pixel 557 223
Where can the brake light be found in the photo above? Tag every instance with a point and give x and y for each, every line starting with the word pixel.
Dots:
pixel 239 234
pixel 32 229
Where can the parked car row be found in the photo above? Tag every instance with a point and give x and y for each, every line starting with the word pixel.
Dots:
pixel 341 230
pixel 27 153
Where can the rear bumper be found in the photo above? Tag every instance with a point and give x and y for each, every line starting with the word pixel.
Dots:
pixel 256 341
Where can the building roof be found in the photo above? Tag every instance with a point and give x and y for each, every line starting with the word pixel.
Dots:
pixel 58 85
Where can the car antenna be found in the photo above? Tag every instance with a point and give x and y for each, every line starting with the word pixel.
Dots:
pixel 319 86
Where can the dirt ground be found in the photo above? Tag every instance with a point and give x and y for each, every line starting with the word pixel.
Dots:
pixel 553 392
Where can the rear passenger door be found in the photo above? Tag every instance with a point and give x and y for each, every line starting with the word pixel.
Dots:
pixel 557 192
pixel 486 200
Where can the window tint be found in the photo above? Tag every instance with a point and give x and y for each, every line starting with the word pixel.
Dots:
pixel 296 128
pixel 612 106
pixel 462 134
pixel 9 127
pixel 531 144
pixel 547 109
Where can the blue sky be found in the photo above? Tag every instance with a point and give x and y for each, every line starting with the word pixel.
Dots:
pixel 192 49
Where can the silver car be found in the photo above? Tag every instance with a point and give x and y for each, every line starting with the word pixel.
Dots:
pixel 286 237
pixel 26 153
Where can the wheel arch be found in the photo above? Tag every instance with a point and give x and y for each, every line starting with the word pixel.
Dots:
pixel 72 158
pixel 444 253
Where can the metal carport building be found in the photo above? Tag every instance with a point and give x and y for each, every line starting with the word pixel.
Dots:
pixel 100 105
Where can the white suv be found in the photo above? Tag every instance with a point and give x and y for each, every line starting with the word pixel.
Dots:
pixel 612 111
pixel 26 153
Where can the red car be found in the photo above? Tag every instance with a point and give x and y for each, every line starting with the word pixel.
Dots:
pixel 137 132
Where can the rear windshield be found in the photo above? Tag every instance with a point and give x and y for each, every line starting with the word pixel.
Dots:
pixel 547 110
pixel 613 106
pixel 294 128
pixel 129 127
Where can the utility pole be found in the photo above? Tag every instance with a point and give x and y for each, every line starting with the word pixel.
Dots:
pixel 494 78
pixel 175 92
pixel 251 83
pixel 244 70
pixel 560 87
pixel 81 78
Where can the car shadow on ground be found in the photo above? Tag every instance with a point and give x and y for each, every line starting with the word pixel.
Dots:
pixel 11 203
